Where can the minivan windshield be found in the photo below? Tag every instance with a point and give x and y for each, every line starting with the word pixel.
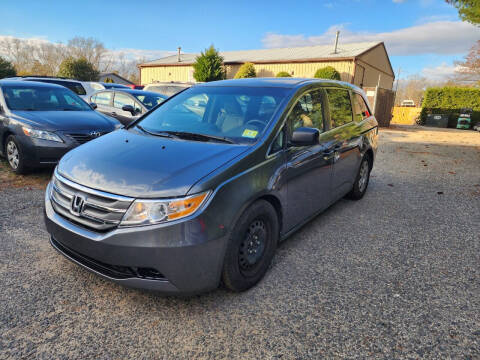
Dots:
pixel 235 114
pixel 43 98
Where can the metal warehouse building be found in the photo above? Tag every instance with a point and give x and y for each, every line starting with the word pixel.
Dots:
pixel 363 64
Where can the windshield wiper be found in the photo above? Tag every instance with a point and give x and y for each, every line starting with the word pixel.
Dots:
pixel 160 133
pixel 199 137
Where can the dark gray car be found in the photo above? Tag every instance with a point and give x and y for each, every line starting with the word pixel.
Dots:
pixel 40 122
pixel 201 190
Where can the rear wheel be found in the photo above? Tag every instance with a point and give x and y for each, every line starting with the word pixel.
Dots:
pixel 361 182
pixel 14 155
pixel 251 247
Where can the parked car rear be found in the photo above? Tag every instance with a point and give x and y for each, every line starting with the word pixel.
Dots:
pixel 168 88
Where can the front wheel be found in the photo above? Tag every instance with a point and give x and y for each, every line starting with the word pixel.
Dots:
pixel 361 182
pixel 14 155
pixel 251 247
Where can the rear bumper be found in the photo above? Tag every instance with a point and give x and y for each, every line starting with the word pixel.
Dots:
pixel 181 258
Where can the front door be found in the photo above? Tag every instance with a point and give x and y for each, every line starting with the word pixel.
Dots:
pixel 309 168
pixel 119 101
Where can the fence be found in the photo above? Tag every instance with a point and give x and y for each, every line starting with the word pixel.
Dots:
pixel 405 115
pixel 382 101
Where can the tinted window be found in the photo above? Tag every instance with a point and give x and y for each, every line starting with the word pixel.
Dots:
pixel 361 109
pixel 230 112
pixel 149 100
pixel 42 99
pixel 104 98
pixel 340 107
pixel 76 87
pixel 308 111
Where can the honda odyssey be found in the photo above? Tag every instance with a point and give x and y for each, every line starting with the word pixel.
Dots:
pixel 200 190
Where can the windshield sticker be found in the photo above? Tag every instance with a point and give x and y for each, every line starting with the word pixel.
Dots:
pixel 252 134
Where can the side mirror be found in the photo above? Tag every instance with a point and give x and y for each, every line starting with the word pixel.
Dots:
pixel 130 109
pixel 93 105
pixel 305 136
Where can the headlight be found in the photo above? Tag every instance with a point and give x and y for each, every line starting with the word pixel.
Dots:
pixel 41 134
pixel 147 212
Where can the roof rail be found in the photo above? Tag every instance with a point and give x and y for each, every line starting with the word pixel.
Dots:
pixel 46 77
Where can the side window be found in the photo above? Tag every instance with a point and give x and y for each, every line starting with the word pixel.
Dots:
pixel 340 107
pixel 120 100
pixel 307 111
pixel 103 98
pixel 361 109
pixel 277 144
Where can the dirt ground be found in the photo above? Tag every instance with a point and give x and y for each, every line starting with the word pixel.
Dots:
pixel 395 275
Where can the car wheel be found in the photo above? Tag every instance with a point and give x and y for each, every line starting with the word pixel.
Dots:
pixel 361 182
pixel 251 247
pixel 14 155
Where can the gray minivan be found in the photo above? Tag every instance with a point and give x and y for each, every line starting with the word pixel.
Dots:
pixel 200 190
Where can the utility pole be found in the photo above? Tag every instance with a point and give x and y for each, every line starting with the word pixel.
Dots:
pixel 396 87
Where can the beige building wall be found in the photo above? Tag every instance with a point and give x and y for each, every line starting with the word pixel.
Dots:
pixel 378 58
pixel 166 73
pixel 303 70
pixel 371 76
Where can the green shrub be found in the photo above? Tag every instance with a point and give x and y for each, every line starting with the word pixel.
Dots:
pixel 450 100
pixel 6 68
pixel 283 74
pixel 79 69
pixel 327 72
pixel 209 66
pixel 247 70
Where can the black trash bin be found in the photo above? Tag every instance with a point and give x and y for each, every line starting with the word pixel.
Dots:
pixel 437 120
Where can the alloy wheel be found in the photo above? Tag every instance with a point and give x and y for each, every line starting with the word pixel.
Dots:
pixel 13 156
pixel 362 181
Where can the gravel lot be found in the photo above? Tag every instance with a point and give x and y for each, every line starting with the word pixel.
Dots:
pixel 395 275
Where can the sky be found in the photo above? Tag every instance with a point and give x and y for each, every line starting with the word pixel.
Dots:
pixel 422 37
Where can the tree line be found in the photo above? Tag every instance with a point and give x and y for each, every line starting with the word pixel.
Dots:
pixel 80 58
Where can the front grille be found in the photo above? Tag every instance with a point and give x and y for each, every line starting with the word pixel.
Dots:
pixel 83 138
pixel 100 211
pixel 112 271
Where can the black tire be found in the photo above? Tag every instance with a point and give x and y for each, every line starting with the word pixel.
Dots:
pixel 361 181
pixel 251 247
pixel 17 163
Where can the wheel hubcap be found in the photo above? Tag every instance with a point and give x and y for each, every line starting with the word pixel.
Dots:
pixel 253 246
pixel 362 181
pixel 12 154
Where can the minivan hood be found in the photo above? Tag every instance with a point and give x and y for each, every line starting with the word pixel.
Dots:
pixel 66 120
pixel 129 163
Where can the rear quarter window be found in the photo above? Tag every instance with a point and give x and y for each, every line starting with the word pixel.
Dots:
pixel 340 107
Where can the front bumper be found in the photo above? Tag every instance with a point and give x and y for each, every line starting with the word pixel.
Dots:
pixel 38 152
pixel 183 257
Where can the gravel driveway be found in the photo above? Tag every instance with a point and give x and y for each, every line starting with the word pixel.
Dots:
pixel 395 275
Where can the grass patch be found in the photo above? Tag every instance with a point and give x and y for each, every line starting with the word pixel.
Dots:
pixel 37 179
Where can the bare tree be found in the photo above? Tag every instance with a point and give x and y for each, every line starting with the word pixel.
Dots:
pixel 89 48
pixel 469 69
